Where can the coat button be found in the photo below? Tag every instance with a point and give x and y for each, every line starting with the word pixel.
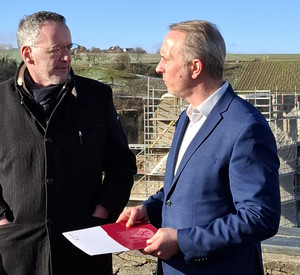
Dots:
pixel 49 221
pixel 168 203
pixel 48 140
pixel 49 181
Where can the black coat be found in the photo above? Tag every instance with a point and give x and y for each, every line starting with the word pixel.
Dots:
pixel 52 175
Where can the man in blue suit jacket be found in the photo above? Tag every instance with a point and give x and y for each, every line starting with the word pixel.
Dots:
pixel 221 193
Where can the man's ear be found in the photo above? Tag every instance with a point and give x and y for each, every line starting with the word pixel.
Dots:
pixel 26 53
pixel 197 67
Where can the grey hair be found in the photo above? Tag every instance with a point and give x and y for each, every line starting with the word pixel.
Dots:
pixel 203 41
pixel 29 27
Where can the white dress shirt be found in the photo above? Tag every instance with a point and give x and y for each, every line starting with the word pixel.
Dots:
pixel 197 117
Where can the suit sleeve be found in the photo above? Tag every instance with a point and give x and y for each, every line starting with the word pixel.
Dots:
pixel 254 186
pixel 154 207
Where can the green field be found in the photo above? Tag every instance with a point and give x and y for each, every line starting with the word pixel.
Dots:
pixel 106 57
pixel 262 57
pixel 154 58
pixel 243 71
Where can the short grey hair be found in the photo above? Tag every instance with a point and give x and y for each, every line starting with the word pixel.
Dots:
pixel 203 41
pixel 29 27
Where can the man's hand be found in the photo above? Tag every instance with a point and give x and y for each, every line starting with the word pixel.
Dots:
pixel 3 220
pixel 163 244
pixel 133 214
pixel 101 212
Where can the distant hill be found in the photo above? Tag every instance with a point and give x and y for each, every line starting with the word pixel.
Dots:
pixel 232 58
pixel 243 71
pixel 264 75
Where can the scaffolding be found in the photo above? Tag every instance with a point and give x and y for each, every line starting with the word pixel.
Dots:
pixel 161 112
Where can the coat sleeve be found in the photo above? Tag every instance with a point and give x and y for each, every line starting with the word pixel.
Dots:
pixel 3 205
pixel 254 185
pixel 119 167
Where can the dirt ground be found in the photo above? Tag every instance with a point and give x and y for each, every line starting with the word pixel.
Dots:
pixel 135 263
pixel 278 264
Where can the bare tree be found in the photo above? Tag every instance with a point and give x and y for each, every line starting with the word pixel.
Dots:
pixel 138 54
pixel 122 62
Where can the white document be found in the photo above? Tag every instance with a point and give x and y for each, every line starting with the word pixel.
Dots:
pixel 110 238
pixel 94 241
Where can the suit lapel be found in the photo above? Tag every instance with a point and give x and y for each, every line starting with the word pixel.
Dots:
pixel 177 138
pixel 207 128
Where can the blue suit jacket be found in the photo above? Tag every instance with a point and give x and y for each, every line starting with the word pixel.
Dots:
pixel 224 199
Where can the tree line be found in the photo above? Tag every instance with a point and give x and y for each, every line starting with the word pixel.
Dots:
pixel 8 68
pixel 122 61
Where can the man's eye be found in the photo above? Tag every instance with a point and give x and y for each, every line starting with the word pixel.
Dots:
pixel 57 49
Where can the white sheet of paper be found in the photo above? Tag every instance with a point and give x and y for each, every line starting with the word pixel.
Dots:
pixel 94 241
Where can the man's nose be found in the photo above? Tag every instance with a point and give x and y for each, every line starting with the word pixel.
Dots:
pixel 66 56
pixel 159 68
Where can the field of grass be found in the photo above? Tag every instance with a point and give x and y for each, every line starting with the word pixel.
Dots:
pixel 97 70
pixel 107 58
pixel 262 57
pixel 243 71
pixel 273 75
pixel 11 54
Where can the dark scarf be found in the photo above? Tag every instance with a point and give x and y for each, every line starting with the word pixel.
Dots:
pixel 47 96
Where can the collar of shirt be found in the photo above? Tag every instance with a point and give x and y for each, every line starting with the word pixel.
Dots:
pixel 205 107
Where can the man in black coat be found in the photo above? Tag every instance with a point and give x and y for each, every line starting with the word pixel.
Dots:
pixel 64 158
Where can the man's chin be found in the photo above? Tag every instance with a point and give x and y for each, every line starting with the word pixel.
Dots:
pixel 59 80
pixel 171 92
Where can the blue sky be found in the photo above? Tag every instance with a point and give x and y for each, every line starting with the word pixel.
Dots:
pixel 256 26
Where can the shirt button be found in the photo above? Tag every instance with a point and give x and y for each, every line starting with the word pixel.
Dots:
pixel 168 203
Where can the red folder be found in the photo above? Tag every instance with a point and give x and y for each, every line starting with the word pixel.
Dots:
pixel 134 237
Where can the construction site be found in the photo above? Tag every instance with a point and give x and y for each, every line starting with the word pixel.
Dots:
pixel 161 111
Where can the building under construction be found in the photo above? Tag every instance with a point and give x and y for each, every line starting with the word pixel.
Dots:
pixel 161 111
